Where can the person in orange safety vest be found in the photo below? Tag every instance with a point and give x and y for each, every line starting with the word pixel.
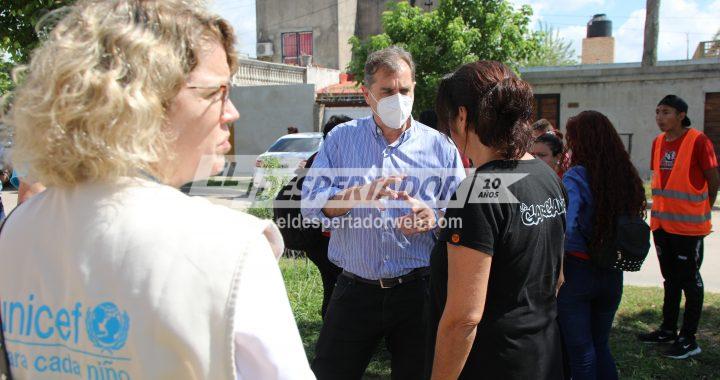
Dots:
pixel 684 187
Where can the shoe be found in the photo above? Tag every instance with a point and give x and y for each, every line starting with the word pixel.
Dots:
pixel 658 336
pixel 683 348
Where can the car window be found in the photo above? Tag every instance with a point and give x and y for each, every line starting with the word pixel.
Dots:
pixel 310 144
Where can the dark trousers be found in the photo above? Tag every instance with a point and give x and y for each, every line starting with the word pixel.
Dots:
pixel 587 303
pixel 680 258
pixel 359 316
pixel 329 272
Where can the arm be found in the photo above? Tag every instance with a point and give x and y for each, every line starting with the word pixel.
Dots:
pixel 316 193
pixel 275 239
pixel 705 158
pixel 574 239
pixel 335 207
pixel 713 179
pixel 561 276
pixel 468 276
pixel 423 217
pixel 266 338
pixel 345 200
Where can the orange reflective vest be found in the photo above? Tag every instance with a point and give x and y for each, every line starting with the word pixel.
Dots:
pixel 679 208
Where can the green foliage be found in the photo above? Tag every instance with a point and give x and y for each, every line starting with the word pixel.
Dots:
pixel 19 20
pixel 552 50
pixel 6 83
pixel 262 206
pixel 457 32
pixel 304 289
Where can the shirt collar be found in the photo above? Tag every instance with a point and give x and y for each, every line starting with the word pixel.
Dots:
pixel 377 132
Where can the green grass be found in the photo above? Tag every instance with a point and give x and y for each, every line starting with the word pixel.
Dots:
pixel 640 311
pixel 304 288
pixel 648 190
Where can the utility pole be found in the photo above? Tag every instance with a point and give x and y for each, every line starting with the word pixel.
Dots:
pixel 652 26
pixel 687 46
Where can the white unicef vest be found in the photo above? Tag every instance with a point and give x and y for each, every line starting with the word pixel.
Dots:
pixel 102 284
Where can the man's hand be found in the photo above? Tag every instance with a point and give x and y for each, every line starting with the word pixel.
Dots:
pixel 368 194
pixel 421 218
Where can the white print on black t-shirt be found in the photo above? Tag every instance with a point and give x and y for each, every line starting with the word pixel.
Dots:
pixel 668 160
pixel 535 214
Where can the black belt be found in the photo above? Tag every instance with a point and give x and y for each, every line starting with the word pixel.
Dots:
pixel 387 283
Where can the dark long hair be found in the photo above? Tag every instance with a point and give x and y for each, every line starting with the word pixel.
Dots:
pixel 498 103
pixel 614 182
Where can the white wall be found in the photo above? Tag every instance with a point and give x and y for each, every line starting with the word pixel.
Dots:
pixel 267 111
pixel 322 77
pixel 628 97
pixel 353 112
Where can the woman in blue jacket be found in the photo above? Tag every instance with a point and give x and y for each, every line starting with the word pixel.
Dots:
pixel 601 184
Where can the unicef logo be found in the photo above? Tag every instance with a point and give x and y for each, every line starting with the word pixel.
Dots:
pixel 107 327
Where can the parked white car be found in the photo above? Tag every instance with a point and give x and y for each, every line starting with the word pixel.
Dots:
pixel 292 152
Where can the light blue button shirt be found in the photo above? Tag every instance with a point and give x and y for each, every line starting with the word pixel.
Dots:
pixel 360 144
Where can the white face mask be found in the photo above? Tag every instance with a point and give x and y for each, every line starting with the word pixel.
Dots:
pixel 394 110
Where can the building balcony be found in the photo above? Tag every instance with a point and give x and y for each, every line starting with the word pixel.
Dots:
pixel 259 73
pixel 707 49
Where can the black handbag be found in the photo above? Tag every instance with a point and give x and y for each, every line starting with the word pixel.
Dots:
pixel 297 235
pixel 627 249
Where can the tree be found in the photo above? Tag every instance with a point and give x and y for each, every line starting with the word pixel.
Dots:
pixel 18 23
pixel 552 49
pixel 457 32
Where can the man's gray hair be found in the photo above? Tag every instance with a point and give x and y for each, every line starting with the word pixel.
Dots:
pixel 389 59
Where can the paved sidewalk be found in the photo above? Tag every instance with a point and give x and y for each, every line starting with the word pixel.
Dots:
pixel 710 270
pixel 648 276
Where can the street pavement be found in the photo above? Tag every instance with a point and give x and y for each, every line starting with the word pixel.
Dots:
pixel 649 275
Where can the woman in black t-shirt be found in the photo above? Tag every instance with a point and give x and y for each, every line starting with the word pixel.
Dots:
pixel 496 267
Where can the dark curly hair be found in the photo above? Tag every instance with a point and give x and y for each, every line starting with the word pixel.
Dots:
pixel 615 184
pixel 498 103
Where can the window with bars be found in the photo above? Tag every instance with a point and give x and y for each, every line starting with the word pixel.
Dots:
pixel 295 45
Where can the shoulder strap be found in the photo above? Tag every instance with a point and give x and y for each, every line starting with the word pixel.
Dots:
pixel 4 358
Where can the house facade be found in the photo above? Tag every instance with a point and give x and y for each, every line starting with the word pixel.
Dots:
pixel 316 32
pixel 628 95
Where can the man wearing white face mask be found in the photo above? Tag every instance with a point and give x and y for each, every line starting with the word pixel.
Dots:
pixel 383 289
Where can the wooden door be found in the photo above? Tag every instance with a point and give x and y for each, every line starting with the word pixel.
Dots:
pixel 712 119
pixel 547 106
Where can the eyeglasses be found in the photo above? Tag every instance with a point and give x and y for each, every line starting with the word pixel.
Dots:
pixel 222 89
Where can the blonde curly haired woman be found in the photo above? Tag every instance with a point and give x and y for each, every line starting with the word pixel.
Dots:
pixel 112 271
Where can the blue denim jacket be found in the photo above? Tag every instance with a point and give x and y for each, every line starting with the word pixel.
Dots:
pixel 580 209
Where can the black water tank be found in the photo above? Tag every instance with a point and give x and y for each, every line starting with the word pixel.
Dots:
pixel 599 26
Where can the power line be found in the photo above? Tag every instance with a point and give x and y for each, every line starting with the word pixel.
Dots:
pixel 630 17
